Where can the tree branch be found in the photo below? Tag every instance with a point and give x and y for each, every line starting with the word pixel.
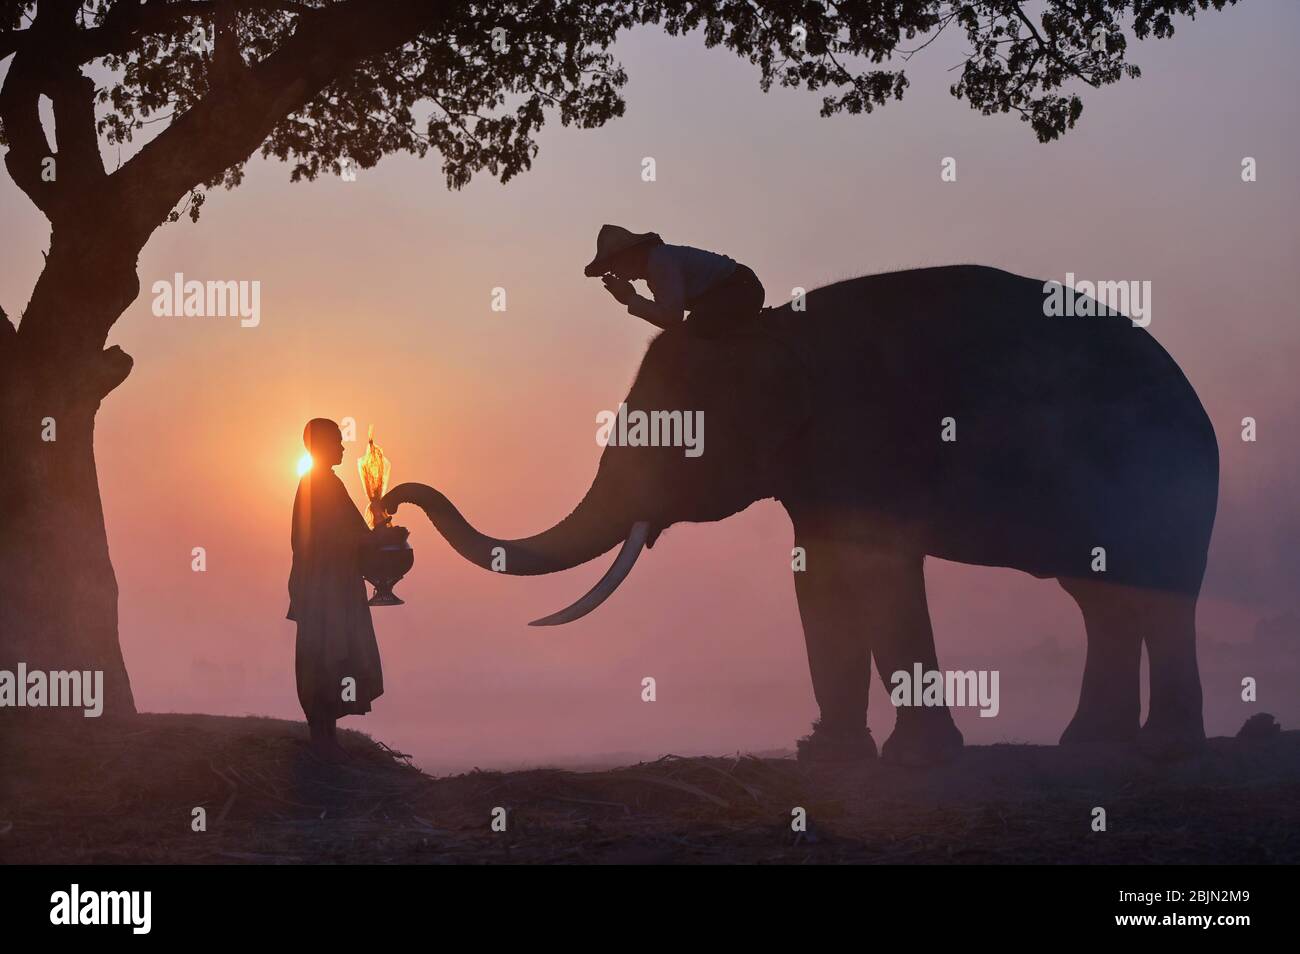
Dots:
pixel 80 164
pixel 1049 49
pixel 125 23
pixel 232 121
pixel 77 164
pixel 226 63
pixel 10 41
pixel 108 371
pixel 28 146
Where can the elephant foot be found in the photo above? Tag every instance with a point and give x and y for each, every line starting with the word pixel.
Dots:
pixel 1166 742
pixel 1087 729
pixel 921 742
pixel 836 745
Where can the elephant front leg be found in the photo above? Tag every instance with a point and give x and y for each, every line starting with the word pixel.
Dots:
pixel 857 602
pixel 839 659
pixel 896 614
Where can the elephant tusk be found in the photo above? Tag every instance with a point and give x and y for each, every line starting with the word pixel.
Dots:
pixel 608 583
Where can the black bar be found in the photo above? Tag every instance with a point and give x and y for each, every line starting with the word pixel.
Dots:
pixel 378 905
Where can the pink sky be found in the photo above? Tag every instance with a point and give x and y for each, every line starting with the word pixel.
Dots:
pixel 375 305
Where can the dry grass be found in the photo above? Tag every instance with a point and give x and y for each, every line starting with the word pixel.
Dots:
pixel 124 793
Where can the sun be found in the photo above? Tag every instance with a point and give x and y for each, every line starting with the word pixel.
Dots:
pixel 304 464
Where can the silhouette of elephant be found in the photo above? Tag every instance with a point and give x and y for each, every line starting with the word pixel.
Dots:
pixel 940 412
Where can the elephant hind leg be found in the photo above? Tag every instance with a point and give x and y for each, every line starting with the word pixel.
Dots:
pixel 1175 723
pixel 1119 618
pixel 1110 698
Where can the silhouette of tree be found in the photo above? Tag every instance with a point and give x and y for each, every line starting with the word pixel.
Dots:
pixel 319 82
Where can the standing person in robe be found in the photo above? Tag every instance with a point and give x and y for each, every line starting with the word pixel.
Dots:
pixel 327 595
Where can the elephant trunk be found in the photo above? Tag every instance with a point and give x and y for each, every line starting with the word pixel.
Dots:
pixel 590 530
pixel 583 535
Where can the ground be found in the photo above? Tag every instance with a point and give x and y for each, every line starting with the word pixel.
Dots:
pixel 125 792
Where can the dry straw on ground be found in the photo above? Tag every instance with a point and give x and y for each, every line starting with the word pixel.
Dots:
pixel 126 792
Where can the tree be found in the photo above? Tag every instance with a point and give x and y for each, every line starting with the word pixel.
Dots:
pixel 320 82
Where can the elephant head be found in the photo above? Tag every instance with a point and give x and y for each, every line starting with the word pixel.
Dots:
pixel 739 402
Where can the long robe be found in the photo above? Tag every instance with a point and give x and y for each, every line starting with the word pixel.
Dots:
pixel 327 599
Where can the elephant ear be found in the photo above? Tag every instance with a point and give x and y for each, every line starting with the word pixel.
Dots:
pixel 764 405
pixel 754 395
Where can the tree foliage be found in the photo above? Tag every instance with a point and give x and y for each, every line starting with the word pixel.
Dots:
pixel 475 82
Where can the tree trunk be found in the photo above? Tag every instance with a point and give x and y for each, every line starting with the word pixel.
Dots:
pixel 58 593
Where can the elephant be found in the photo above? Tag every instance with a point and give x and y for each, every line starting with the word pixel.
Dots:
pixel 934 412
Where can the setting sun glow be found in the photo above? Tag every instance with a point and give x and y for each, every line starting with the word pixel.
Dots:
pixel 304 464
